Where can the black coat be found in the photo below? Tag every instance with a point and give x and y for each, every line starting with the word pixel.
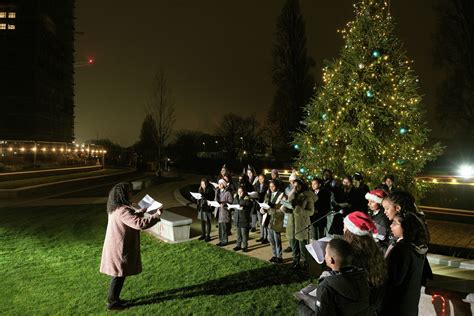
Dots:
pixel 405 269
pixel 345 293
pixel 242 217
pixel 382 223
pixel 360 203
pixel 207 195
pixel 322 206
pixel 261 190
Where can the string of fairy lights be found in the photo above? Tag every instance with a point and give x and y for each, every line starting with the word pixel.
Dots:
pixel 370 90
pixel 31 147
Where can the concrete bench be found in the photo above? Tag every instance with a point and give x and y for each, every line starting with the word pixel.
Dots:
pixel 172 227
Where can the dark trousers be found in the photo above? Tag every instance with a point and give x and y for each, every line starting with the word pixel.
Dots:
pixel 299 250
pixel 229 228
pixel 242 236
pixel 254 220
pixel 317 231
pixel 223 233
pixel 115 288
pixel 205 228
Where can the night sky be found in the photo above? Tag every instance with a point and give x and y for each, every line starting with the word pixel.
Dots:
pixel 216 55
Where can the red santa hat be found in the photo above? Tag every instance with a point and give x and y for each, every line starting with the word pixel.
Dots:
pixel 376 195
pixel 360 224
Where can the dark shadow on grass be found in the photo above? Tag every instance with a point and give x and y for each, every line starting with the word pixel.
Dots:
pixel 235 283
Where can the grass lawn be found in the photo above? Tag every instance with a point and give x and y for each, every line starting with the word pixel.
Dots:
pixel 49 259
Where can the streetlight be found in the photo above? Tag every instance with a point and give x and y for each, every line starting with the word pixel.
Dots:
pixel 204 146
pixel 242 139
pixel 466 171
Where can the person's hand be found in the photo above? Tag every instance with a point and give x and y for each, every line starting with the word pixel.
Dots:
pixel 262 211
pixel 142 210
pixel 159 211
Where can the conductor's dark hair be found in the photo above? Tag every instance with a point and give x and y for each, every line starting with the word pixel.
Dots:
pixel 118 196
pixel 342 250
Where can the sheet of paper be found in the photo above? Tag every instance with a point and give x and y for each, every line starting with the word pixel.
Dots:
pixel 234 206
pixel 286 204
pixel 253 195
pixel 215 185
pixel 150 204
pixel 265 206
pixel 313 293
pixel 213 203
pixel 317 249
pixel 197 196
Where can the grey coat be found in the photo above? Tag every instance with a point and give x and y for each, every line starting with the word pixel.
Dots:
pixel 223 214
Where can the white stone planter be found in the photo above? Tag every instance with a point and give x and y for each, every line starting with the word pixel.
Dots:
pixel 172 227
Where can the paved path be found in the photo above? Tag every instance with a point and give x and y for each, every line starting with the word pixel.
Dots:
pixel 167 194
pixel 451 234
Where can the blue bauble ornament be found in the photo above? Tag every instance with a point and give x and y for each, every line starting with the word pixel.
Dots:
pixel 296 146
pixel 376 53
pixel 400 161
pixel 403 130
pixel 302 170
pixel 369 93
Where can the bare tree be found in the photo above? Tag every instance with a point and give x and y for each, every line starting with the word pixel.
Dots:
pixel 240 133
pixel 161 108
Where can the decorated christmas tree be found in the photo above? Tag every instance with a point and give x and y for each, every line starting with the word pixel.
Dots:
pixel 368 116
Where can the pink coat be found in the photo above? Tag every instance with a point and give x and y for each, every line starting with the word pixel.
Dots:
pixel 121 252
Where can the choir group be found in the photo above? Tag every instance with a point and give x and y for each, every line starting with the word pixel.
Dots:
pixel 376 255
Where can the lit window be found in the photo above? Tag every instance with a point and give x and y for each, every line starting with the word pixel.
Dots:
pixel 3 15
pixel 11 15
pixel 11 26
pixel 3 26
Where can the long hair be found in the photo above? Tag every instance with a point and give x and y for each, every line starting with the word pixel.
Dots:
pixel 118 196
pixel 414 230
pixel 367 255
pixel 206 181
pixel 405 200
pixel 407 204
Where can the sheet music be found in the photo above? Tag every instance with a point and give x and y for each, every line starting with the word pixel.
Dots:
pixel 253 195
pixel 150 204
pixel 197 196
pixel 286 204
pixel 265 206
pixel 234 206
pixel 213 203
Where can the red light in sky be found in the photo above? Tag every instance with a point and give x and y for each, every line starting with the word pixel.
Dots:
pixel 90 61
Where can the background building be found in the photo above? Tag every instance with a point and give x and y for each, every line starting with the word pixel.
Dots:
pixel 37 70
